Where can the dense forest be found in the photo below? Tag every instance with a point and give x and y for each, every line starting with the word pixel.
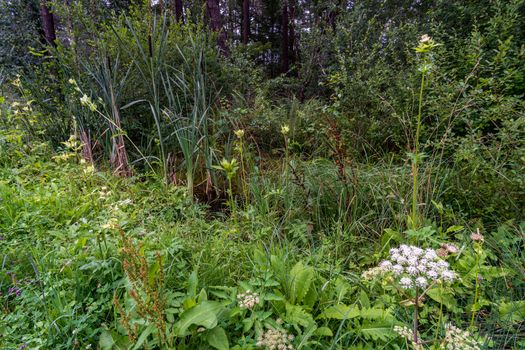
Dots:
pixel 262 174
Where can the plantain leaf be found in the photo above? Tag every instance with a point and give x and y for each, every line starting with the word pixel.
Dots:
pixel 217 338
pixel 204 314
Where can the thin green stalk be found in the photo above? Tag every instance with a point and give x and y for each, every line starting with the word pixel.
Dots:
pixel 243 173
pixel 476 293
pixel 416 323
pixel 232 202
pixel 415 161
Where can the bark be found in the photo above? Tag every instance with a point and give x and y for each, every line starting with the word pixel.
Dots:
pixel 215 23
pixel 245 21
pixel 48 24
pixel 177 9
pixel 285 40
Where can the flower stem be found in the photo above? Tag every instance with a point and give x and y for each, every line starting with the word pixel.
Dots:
pixel 416 300
pixel 415 161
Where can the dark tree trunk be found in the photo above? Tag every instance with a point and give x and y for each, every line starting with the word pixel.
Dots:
pixel 291 28
pixel 215 23
pixel 177 9
pixel 245 21
pixel 48 24
pixel 285 40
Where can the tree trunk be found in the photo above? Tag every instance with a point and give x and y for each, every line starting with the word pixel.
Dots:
pixel 177 9
pixel 215 23
pixel 48 24
pixel 245 21
pixel 291 28
pixel 285 40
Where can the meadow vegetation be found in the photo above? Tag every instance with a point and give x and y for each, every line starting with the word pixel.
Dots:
pixel 159 192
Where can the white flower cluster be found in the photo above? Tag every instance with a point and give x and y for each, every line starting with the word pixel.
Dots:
pixel 248 299
pixel 458 339
pixel 417 267
pixel 274 339
pixel 405 332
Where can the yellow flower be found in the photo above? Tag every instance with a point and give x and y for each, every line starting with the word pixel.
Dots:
pixel 285 129
pixel 239 133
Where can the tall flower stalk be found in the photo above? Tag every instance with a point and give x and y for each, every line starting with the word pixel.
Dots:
pixel 426 44
pixel 240 148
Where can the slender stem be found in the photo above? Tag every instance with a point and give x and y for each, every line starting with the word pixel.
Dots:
pixel 416 341
pixel 232 203
pixel 243 174
pixel 415 160
pixel 476 293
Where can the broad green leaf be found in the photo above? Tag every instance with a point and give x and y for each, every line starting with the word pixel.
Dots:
pixel 295 314
pixel 444 297
pixel 218 339
pixel 340 312
pixel 106 341
pixel 204 314
pixel 375 314
pixel 377 331
pixel 324 332
pixel 513 311
pixel 301 278
pixel 272 297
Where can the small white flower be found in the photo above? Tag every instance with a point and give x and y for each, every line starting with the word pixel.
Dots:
pixel 397 269
pixel 425 38
pixel 385 264
pixel 412 270
pixel 417 251
pixel 402 260
pixel 421 282
pixel 448 275
pixel 432 274
pixel 405 282
pixel 430 254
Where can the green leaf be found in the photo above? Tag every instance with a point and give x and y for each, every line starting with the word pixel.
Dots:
pixel 143 336
pixel 323 332
pixel 444 297
pixel 272 297
pixel 375 314
pixel 377 331
pixel 295 314
pixel 218 339
pixel 301 278
pixel 204 314
pixel 340 312
pixel 513 311
pixel 454 228
pixel 106 341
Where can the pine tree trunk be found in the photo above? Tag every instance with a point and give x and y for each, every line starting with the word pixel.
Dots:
pixel 215 23
pixel 48 24
pixel 245 21
pixel 285 43
pixel 177 9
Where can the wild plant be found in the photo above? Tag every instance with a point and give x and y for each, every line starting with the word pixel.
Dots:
pixel 413 271
pixel 230 168
pixel 110 81
pixel 426 44
pixel 239 133
pixel 146 283
pixel 188 109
